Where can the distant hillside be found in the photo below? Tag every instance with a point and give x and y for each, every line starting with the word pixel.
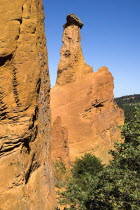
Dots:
pixel 130 99
pixel 128 104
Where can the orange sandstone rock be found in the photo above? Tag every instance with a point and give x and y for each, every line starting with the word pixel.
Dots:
pixel 25 164
pixel 85 103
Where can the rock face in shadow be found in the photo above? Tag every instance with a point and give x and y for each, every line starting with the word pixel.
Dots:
pixel 84 101
pixel 25 164
pixel 60 144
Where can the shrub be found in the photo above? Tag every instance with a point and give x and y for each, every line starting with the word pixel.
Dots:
pixel 86 164
pixel 83 171
pixel 60 174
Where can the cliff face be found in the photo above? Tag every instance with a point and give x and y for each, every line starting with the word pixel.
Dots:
pixel 25 166
pixel 84 101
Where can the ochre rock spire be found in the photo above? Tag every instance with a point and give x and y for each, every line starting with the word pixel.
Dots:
pixel 72 66
pixel 85 118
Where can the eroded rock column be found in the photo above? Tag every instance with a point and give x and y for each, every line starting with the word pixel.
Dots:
pixel 72 66
pixel 25 165
pixel 83 100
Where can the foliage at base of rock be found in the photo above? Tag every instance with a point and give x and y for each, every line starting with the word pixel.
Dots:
pixel 83 170
pixel 60 173
pixel 117 186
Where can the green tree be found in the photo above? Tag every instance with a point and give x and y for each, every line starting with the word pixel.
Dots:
pixel 83 171
pixel 86 164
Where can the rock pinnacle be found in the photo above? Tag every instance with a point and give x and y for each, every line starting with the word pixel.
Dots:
pixel 72 65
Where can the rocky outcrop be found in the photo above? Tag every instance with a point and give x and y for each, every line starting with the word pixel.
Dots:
pixel 25 165
pixel 84 101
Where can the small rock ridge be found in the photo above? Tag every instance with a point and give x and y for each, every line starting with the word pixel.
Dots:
pixel 73 19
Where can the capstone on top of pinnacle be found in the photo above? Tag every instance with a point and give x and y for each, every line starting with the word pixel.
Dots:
pixel 73 19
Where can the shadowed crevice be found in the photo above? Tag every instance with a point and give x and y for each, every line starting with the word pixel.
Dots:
pixel 15 90
pixel 3 60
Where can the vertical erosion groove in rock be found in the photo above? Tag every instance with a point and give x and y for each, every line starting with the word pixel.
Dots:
pixel 83 101
pixel 25 165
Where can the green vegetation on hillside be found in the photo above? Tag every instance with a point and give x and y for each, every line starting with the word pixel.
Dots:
pixel 130 99
pixel 128 104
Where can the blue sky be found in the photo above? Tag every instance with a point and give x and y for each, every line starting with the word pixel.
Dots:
pixel 110 37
